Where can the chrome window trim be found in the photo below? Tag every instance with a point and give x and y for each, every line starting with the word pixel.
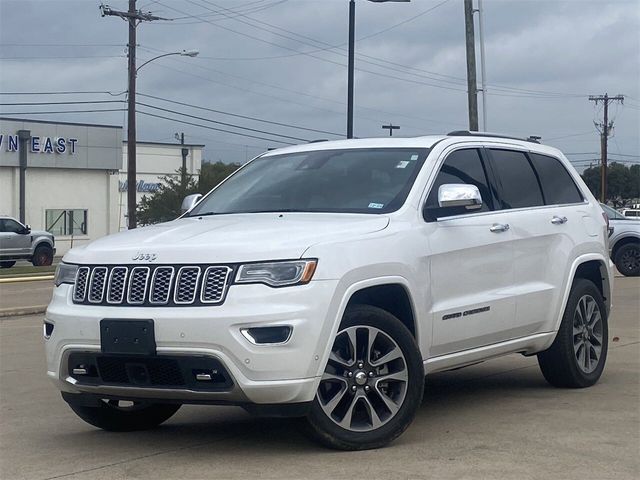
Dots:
pixel 86 282
pixel 104 283
pixel 225 284
pixel 176 289
pixel 153 281
pixel 124 286
pixel 146 283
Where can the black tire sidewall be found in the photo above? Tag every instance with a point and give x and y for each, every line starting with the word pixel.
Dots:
pixel 560 361
pixel 42 250
pixel 334 436
pixel 7 264
pixel 618 260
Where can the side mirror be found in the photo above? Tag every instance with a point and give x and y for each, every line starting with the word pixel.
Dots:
pixel 27 229
pixel 459 195
pixel 190 201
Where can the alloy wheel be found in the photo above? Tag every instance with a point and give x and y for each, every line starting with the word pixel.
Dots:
pixel 630 259
pixel 587 333
pixel 365 382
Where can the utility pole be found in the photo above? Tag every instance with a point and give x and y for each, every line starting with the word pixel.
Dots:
pixel 185 152
pixel 391 127
pixel 472 86
pixel 351 67
pixel 133 17
pixel 483 72
pixel 605 127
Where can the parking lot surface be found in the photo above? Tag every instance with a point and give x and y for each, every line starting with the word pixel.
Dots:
pixel 496 420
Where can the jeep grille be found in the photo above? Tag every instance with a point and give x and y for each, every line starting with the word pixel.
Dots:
pixel 152 285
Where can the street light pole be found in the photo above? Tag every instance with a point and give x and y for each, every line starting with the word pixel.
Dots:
pixel 350 76
pixel 351 63
pixel 131 121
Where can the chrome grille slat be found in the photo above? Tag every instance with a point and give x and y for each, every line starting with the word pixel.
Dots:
pixel 186 285
pixel 117 284
pixel 97 282
pixel 152 285
pixel 138 281
pixel 214 284
pixel 160 291
pixel 80 288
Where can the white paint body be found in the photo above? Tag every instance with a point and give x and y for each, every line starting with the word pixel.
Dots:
pixel 455 264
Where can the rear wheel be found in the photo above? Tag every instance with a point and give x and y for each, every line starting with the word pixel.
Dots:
pixel 372 385
pixel 43 256
pixel 627 259
pixel 577 356
pixel 7 264
pixel 121 416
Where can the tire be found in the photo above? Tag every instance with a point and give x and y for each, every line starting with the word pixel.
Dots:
pixel 7 264
pixel 111 416
pixel 565 363
pixel 43 256
pixel 395 401
pixel 627 259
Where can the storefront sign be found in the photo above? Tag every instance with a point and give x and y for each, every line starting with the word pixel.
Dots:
pixel 141 186
pixel 40 144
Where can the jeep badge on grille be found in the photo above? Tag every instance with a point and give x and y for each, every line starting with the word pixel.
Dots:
pixel 149 257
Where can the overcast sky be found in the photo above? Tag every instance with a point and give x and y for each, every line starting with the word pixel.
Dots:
pixel 285 61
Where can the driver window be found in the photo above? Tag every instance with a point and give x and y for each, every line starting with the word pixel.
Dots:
pixel 462 166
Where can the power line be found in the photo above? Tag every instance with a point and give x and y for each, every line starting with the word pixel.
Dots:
pixel 246 117
pixel 213 128
pixel 65 111
pixel 71 102
pixel 76 92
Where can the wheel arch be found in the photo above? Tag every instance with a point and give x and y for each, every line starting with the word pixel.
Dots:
pixel 620 242
pixel 593 267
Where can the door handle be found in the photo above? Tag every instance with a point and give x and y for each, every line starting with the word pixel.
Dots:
pixel 558 220
pixel 499 227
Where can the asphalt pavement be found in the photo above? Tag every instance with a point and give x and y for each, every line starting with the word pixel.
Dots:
pixel 495 420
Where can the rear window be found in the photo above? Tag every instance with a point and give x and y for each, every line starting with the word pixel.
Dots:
pixel 519 184
pixel 557 185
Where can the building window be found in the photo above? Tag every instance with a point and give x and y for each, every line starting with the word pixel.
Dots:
pixel 66 222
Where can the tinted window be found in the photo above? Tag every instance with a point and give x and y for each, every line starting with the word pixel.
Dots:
pixel 371 180
pixel 461 166
pixel 520 187
pixel 557 185
pixel 7 225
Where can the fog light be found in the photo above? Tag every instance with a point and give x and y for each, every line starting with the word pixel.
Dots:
pixel 267 335
pixel 47 330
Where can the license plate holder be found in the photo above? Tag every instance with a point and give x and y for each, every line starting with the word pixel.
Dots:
pixel 127 337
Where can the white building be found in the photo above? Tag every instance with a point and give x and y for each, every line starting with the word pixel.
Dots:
pixel 73 176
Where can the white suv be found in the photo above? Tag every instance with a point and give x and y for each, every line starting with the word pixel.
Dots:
pixel 326 280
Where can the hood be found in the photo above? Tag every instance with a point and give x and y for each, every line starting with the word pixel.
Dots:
pixel 227 238
pixel 40 233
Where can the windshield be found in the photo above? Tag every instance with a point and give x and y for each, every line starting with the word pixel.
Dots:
pixel 374 180
pixel 611 213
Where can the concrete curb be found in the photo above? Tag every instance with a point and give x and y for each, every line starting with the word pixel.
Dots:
pixel 20 311
pixel 26 279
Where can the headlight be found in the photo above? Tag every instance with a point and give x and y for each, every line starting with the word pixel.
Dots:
pixel 65 273
pixel 277 274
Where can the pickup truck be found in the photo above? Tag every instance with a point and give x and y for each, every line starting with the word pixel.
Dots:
pixel 19 242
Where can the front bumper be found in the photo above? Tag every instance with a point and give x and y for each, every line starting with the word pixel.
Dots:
pixel 261 374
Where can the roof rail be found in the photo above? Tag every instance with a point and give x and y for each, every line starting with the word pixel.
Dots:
pixel 319 140
pixel 467 133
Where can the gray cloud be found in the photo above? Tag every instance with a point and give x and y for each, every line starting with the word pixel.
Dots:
pixel 569 47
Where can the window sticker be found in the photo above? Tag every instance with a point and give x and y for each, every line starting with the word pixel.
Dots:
pixel 402 164
pixel 376 205
pixel 414 157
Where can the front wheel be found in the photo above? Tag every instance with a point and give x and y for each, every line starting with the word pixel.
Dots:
pixel 43 256
pixel 372 385
pixel 577 356
pixel 121 416
pixel 627 259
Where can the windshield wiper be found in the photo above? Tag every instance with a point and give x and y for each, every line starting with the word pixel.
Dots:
pixel 206 214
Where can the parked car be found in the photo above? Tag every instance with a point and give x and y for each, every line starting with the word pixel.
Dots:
pixel 631 213
pixel 326 280
pixel 19 242
pixel 624 242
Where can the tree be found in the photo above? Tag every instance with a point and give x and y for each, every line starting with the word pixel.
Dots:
pixel 164 204
pixel 623 183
